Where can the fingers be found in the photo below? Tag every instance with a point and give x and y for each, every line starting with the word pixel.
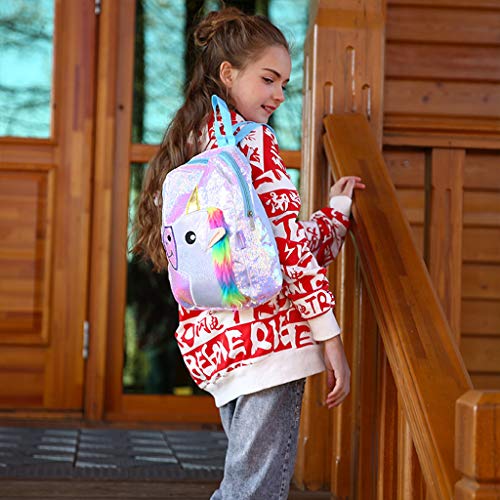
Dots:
pixel 346 186
pixel 355 182
pixel 349 187
pixel 340 391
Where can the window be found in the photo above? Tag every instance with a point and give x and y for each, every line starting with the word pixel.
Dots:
pixel 26 61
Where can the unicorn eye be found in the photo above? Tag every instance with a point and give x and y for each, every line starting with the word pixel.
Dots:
pixel 169 238
pixel 190 237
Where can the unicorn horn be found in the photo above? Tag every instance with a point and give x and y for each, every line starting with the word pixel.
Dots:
pixel 193 203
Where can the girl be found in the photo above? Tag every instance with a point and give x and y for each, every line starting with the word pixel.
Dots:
pixel 254 361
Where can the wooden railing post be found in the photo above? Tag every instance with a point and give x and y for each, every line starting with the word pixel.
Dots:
pixel 344 72
pixel 477 445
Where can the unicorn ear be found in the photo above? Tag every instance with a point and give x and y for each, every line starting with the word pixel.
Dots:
pixel 217 234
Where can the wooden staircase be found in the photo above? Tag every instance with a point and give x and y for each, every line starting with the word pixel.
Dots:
pixel 413 427
pixel 420 381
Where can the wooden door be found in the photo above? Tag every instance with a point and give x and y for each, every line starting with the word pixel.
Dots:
pixel 45 169
pixel 125 143
pixel 140 83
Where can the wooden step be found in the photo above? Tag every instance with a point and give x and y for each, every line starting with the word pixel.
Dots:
pixel 112 490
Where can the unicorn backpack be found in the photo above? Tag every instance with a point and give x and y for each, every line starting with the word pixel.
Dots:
pixel 218 240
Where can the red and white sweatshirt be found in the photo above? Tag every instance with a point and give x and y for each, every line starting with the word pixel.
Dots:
pixel 230 353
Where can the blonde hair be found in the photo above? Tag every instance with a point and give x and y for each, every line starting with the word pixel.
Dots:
pixel 226 35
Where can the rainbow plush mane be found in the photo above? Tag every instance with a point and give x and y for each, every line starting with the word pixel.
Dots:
pixel 221 256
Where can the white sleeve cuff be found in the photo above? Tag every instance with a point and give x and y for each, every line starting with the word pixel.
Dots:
pixel 341 203
pixel 324 327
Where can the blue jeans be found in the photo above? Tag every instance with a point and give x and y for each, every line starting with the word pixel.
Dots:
pixel 262 431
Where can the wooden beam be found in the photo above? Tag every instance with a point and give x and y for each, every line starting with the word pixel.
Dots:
pixel 111 44
pixel 441 131
pixel 92 489
pixel 445 231
pixel 344 71
pixel 142 153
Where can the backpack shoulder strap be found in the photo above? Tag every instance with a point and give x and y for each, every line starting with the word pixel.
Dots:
pixel 231 137
pixel 228 138
pixel 247 128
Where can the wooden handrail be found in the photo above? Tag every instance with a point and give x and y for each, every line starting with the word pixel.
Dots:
pixel 428 369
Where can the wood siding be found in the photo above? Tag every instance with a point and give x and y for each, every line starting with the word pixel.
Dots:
pixel 442 59
pixel 407 169
pixel 443 78
pixel 480 316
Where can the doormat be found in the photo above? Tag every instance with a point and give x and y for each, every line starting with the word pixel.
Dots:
pixel 111 454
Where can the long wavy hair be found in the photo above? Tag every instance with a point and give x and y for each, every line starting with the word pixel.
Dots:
pixel 226 35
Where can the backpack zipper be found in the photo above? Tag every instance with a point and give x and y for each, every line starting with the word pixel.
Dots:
pixel 247 200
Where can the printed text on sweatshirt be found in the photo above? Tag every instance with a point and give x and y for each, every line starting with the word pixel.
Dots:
pixel 229 353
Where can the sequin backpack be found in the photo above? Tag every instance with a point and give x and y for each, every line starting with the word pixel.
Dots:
pixel 218 239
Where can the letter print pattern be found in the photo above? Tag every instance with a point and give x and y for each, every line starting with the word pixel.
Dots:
pixel 213 343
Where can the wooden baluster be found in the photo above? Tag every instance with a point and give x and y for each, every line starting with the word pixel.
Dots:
pixel 477 445
pixel 355 422
pixel 369 344
pixel 387 434
pixel 312 466
pixel 343 417
pixel 411 485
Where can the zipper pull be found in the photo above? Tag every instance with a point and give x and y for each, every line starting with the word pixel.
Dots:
pixel 252 222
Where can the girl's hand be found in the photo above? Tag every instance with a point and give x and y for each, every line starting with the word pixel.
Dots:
pixel 338 372
pixel 346 186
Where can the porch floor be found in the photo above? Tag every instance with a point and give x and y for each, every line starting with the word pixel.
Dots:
pixel 32 453
pixel 106 464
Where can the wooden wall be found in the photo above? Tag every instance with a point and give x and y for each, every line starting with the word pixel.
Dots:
pixel 478 297
pixel 440 112
pixel 442 146
pixel 407 169
pixel 480 328
pixel 442 58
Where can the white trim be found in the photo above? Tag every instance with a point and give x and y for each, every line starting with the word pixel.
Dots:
pixel 324 327
pixel 342 203
pixel 274 369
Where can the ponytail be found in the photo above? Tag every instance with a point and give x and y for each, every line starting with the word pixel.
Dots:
pixel 226 35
